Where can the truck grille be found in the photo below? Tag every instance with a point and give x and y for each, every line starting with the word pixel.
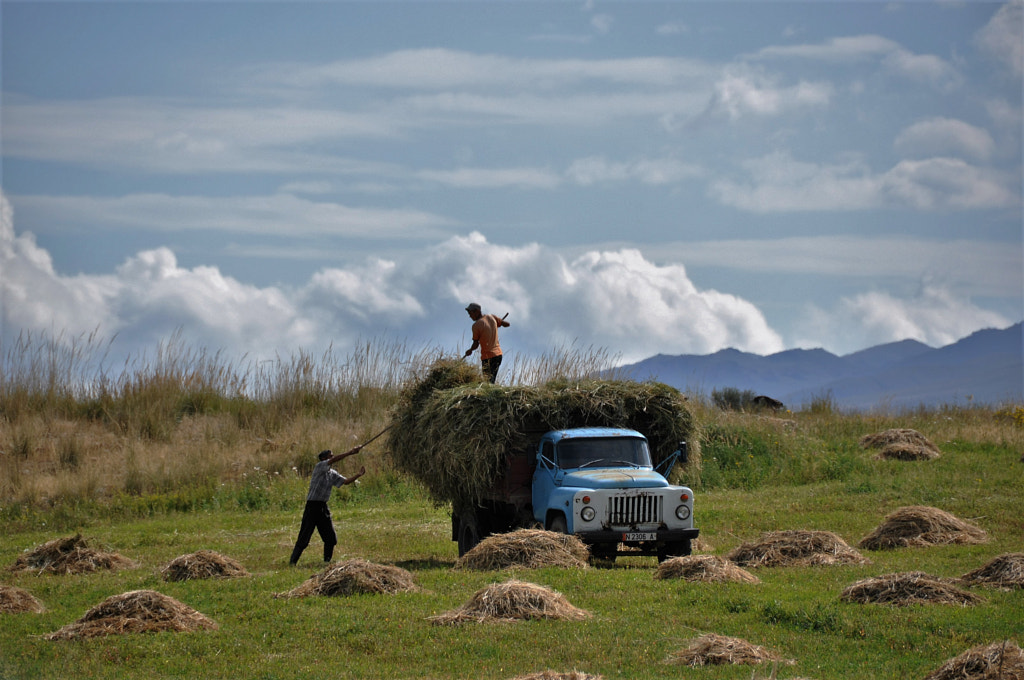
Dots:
pixel 628 510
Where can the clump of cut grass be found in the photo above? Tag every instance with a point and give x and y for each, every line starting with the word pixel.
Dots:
pixel 526 548
pixel 704 568
pixel 203 564
pixel 918 525
pixel 996 661
pixel 907 588
pixel 715 650
pixel 906 452
pixel 14 600
pixel 70 555
pixel 356 577
pixel 138 611
pixel 554 675
pixel 511 601
pixel 1004 571
pixel 796 548
pixel 454 434
pixel 901 435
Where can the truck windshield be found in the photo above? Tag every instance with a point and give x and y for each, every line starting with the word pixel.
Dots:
pixel 606 452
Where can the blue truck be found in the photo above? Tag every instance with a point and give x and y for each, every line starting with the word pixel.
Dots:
pixel 597 483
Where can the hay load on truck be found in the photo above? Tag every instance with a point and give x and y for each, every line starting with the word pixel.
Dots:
pixel 591 458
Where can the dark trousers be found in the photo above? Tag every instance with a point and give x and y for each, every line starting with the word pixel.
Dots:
pixel 490 367
pixel 316 516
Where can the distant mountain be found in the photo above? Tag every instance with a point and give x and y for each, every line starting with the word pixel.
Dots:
pixel 983 368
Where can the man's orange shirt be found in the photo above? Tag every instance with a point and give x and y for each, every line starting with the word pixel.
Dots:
pixel 485 331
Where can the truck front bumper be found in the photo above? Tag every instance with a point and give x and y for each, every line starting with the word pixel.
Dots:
pixel 660 537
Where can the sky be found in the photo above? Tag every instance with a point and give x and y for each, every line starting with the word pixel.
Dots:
pixel 263 178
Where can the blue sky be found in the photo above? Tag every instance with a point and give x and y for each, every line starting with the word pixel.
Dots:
pixel 640 177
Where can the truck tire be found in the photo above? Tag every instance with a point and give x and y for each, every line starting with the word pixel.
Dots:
pixel 469 532
pixel 674 549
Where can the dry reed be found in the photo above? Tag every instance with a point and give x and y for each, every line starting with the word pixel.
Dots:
pixel 997 661
pixel 513 600
pixel 918 525
pixel 203 564
pixel 796 548
pixel 908 588
pixel 138 611
pixel 14 600
pixel 71 555
pixel 1004 571
pixel 713 650
pixel 355 577
pixel 706 568
pixel 526 548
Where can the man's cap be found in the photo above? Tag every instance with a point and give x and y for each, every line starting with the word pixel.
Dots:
pixel 472 307
pixel 324 455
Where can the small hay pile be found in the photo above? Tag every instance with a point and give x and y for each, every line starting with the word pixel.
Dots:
pixel 918 525
pixel 880 440
pixel 203 564
pixel 907 588
pixel 554 675
pixel 906 452
pixel 70 555
pixel 138 611
pixel 513 600
pixel 997 661
pixel 1004 571
pixel 796 548
pixel 706 568
pixel 454 433
pixel 527 548
pixel 356 577
pixel 14 600
pixel 711 649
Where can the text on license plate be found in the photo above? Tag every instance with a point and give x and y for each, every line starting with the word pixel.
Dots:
pixel 639 536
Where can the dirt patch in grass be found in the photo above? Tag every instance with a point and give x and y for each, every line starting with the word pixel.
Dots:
pixel 528 548
pixel 1004 571
pixel 356 577
pixel 796 548
pixel 14 600
pixel 513 600
pixel 706 568
pixel 715 650
pixel 918 525
pixel 997 661
pixel 907 588
pixel 138 611
pixel 71 555
pixel 203 564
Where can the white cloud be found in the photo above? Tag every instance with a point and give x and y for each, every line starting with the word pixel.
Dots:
pixel 527 178
pixel 945 136
pixel 1001 36
pixel 597 169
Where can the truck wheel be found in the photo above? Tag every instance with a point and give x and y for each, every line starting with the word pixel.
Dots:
pixel 469 532
pixel 559 525
pixel 674 549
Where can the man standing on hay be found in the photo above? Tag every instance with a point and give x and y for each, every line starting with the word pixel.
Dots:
pixel 317 515
pixel 485 336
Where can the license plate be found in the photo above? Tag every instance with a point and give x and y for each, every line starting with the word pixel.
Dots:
pixel 630 536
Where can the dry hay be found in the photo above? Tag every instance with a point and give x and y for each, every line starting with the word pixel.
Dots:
pixel 907 452
pixel 527 548
pixel 513 600
pixel 918 525
pixel 710 649
pixel 907 588
pixel 138 611
pixel 203 564
pixel 71 555
pixel 881 440
pixel 707 568
pixel 1004 571
pixel 700 545
pixel 997 661
pixel 796 548
pixel 356 577
pixel 14 600
pixel 554 675
pixel 454 433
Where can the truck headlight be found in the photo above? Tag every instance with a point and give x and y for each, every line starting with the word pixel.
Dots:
pixel 683 512
pixel 588 514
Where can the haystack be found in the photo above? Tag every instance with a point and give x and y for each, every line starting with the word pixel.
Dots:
pixel 70 555
pixel 203 564
pixel 14 600
pixel 907 588
pixel 553 675
pixel 881 440
pixel 907 452
pixel 356 577
pixel 997 661
pixel 526 548
pixel 513 600
pixel 796 548
pixel 918 525
pixel 711 649
pixel 454 433
pixel 138 611
pixel 1004 571
pixel 706 568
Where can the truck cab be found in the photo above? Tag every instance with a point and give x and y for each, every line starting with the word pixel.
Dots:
pixel 599 484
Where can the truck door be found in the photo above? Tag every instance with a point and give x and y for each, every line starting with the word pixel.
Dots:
pixel 544 480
